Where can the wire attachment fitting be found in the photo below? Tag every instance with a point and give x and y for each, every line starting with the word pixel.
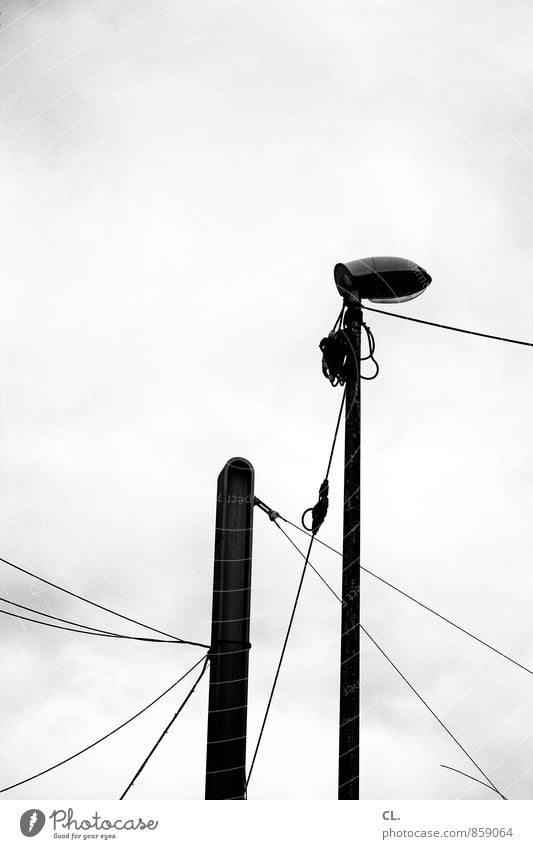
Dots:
pixel 319 511
pixel 272 514
pixel 218 647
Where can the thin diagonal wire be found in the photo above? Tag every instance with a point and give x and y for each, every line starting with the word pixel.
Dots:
pixel 490 786
pixel 466 775
pixel 449 327
pixel 179 710
pixel 109 734
pixel 297 597
pixel 99 606
pixel 56 618
pixel 334 442
pixel 95 633
pixel 320 541
pixel 339 319
pixel 432 712
pixel 415 600
pixel 280 662
pixel 300 552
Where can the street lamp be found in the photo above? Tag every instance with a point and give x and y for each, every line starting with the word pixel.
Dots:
pixel 382 280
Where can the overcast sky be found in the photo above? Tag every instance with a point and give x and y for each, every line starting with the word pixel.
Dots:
pixel 178 181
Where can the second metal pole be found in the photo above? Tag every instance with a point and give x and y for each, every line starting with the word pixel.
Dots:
pixel 230 633
pixel 350 634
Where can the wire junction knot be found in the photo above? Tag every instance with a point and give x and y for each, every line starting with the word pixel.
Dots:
pixel 319 511
pixel 339 359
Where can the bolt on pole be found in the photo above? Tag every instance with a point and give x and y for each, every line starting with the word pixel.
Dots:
pixel 230 633
pixel 348 787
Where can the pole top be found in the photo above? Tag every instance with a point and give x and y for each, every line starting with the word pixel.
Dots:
pixel 238 472
pixel 239 463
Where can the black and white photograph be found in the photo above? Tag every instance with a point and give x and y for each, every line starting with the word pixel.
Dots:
pixel 266 405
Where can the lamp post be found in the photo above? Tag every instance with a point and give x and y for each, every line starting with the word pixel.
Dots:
pixel 381 280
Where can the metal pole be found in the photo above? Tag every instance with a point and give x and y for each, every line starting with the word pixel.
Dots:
pixel 351 573
pixel 230 633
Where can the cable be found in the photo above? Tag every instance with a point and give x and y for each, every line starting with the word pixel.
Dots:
pixel 492 786
pixel 371 350
pixel 441 723
pixel 335 435
pixel 449 327
pixel 96 632
pixel 407 595
pixel 334 352
pixel 109 734
pixel 278 670
pixel 317 573
pixel 449 622
pixel 320 541
pixel 179 710
pixel 320 510
pixel 319 514
pixel 338 322
pixel 472 777
pixel 57 618
pixel 99 606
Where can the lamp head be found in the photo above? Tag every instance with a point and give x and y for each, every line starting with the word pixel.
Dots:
pixel 381 279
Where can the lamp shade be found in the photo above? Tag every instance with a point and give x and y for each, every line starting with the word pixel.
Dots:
pixel 381 279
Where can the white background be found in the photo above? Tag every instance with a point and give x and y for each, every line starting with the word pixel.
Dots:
pixel 178 181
